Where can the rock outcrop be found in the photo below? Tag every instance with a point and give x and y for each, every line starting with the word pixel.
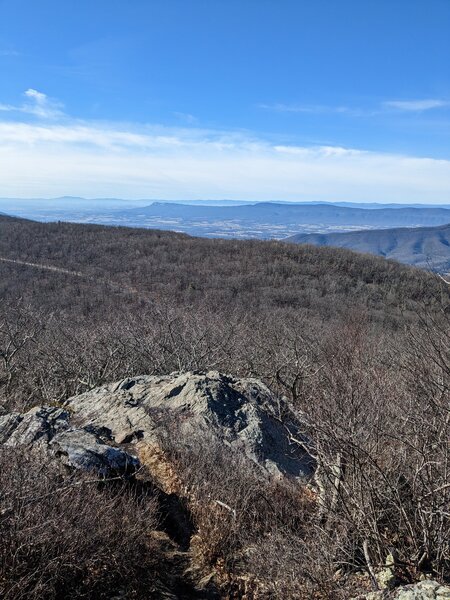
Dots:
pixel 50 429
pixel 104 429
pixel 424 590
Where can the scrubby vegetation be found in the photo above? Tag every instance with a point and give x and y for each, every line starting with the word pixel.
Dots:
pixel 70 538
pixel 358 346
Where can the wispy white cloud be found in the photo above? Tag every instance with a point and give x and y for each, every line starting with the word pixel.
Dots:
pixel 186 117
pixel 87 158
pixel 416 105
pixel 388 105
pixel 306 108
pixel 37 104
pixel 323 151
pixel 8 52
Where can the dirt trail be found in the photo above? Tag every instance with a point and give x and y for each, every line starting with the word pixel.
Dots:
pixel 41 266
pixel 107 282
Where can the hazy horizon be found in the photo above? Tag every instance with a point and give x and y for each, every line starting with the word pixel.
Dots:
pixel 216 201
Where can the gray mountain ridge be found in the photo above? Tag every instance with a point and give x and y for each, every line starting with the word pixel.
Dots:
pixel 426 247
pixel 229 219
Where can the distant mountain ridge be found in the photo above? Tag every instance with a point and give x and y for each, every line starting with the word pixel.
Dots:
pixel 270 220
pixel 426 247
pixel 261 220
pixel 298 213
pixel 80 200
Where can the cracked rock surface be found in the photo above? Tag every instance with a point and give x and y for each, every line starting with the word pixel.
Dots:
pixel 50 429
pixel 98 430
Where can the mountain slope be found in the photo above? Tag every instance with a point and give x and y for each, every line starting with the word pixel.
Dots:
pixel 246 275
pixel 427 247
pixel 229 304
pixel 4 218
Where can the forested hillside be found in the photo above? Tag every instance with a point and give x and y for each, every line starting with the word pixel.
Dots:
pixel 354 347
pixel 426 247
pixel 148 265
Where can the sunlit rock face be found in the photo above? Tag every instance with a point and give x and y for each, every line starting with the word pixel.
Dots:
pixel 105 429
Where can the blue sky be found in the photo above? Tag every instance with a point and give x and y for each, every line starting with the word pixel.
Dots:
pixel 249 99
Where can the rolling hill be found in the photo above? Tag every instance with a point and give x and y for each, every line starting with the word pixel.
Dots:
pixel 426 247
pixel 94 268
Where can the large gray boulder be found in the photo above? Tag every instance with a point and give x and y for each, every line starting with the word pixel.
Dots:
pixel 239 413
pixel 103 429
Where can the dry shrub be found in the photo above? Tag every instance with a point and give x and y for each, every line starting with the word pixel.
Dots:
pixel 379 418
pixel 71 538
pixel 248 528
